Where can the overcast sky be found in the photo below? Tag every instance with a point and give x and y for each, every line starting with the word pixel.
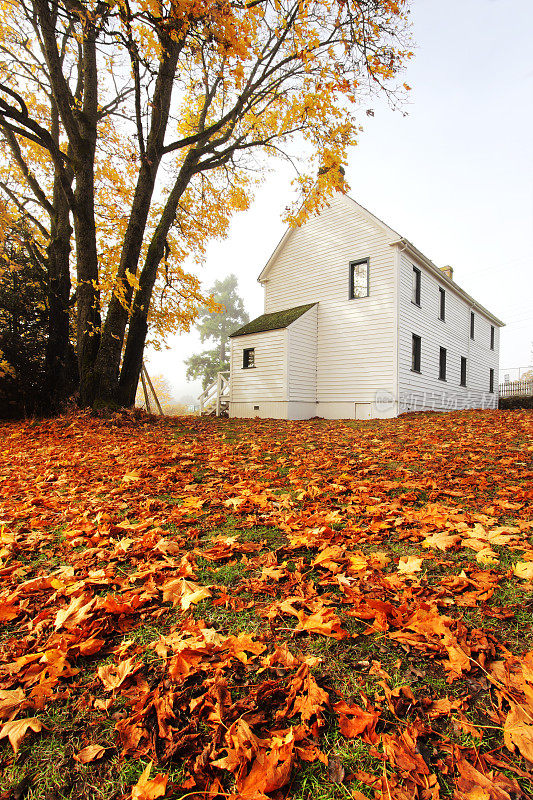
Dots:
pixel 454 176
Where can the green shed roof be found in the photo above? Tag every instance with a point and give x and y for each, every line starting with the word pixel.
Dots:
pixel 273 322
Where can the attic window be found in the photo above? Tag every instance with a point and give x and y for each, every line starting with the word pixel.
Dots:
pixel 359 279
pixel 248 358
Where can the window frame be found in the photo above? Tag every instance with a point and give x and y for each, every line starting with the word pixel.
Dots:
pixel 442 304
pixel 492 337
pixel 416 353
pixel 351 276
pixel 246 358
pixel 491 380
pixel 416 293
pixel 463 371
pixel 443 355
pixel 472 325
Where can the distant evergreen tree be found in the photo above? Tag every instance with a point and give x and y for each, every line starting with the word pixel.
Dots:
pixel 26 377
pixel 217 327
pixel 23 338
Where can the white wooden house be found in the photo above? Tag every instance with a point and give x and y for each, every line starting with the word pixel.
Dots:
pixel 358 323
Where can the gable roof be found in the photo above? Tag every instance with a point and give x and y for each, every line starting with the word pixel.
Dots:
pixel 398 240
pixel 415 253
pixel 290 230
pixel 272 322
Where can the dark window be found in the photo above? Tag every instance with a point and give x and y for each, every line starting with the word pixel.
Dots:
pixel 416 353
pixel 416 286
pixel 248 358
pixel 442 364
pixel 463 371
pixel 442 304
pixel 471 324
pixel 359 279
pixel 492 337
pixel 491 380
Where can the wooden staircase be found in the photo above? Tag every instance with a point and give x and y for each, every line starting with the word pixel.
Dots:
pixel 215 399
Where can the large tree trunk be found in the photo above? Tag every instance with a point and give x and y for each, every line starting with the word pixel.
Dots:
pixel 107 362
pixel 138 327
pixel 107 366
pixel 61 382
pixel 79 117
pixel 88 295
pixel 58 363
pixel 83 153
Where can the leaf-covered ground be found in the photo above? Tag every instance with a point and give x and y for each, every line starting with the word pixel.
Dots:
pixel 253 608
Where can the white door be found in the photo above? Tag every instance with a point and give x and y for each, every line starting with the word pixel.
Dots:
pixel 363 410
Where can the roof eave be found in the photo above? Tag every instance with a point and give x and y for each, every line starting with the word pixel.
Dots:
pixel 306 308
pixel 410 248
pixel 262 275
pixel 262 278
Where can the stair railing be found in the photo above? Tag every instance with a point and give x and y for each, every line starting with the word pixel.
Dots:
pixel 216 397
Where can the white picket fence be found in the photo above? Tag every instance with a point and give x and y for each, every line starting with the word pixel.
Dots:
pixel 523 388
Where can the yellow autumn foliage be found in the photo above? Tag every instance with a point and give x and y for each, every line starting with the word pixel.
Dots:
pixel 168 113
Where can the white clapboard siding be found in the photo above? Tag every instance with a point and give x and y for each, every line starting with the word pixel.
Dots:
pixel 356 338
pixel 302 357
pixel 267 381
pixel 352 358
pixel 425 390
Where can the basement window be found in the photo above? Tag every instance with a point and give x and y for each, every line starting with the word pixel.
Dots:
pixel 248 358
